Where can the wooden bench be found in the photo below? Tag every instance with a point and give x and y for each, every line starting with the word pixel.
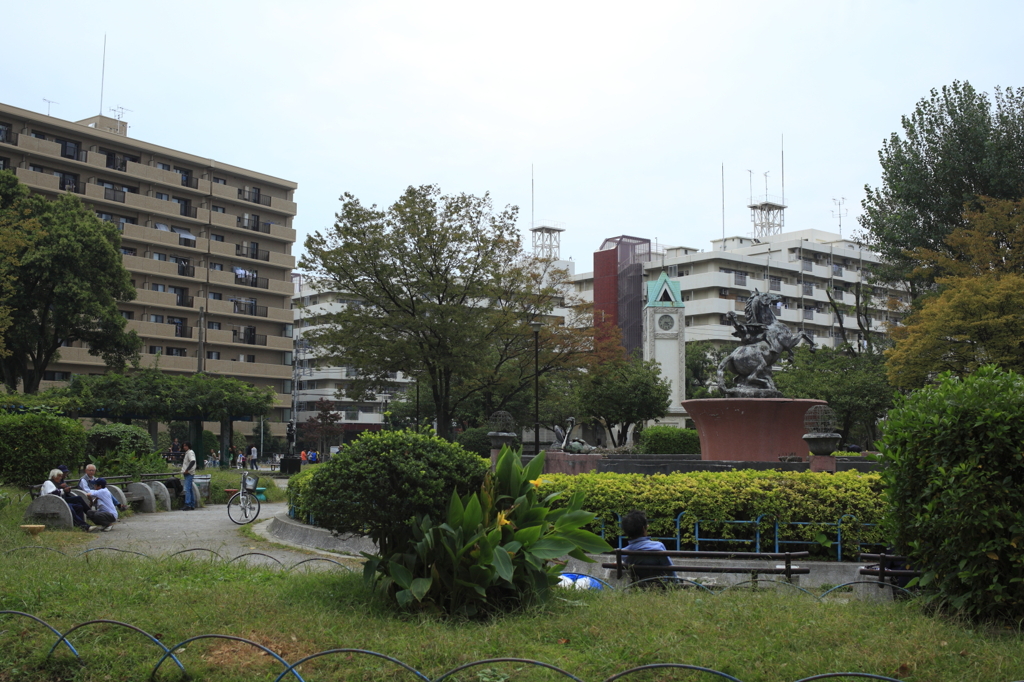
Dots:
pixel 787 569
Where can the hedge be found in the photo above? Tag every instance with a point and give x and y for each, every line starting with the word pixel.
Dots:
pixel 668 440
pixel 733 496
pixel 298 491
pixel 32 444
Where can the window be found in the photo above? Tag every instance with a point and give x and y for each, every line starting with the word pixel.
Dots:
pixel 247 358
pixel 157 287
pixel 38 135
pixel 220 181
pixel 216 266
pixel 163 196
pixel 105 217
pixel 672 270
pixel 213 325
pixel 216 296
pixel 156 350
pixel 163 166
pixel 37 169
pixel 286 386
pixel 159 319
pixel 56 376
pixel 368 409
pixel 68 149
pixel 125 220
pixel 128 251
pixel 128 314
pixel 218 209
pixel 287 333
pixel 163 227
pixel 287 357
pixel 176 352
pixel 159 256
pixel 213 355
pixel 177 320
pixel 216 237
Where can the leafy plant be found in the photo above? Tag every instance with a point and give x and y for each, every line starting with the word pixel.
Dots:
pixel 495 551
pixel 32 444
pixel 955 488
pixel 668 440
pixel 122 450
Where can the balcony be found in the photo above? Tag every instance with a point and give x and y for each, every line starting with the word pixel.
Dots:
pixel 250 281
pixel 181 331
pixel 808 289
pixel 254 224
pixel 71 185
pixel 187 211
pixel 186 270
pixel 184 301
pixel 111 194
pixel 8 136
pixel 774 284
pixel 807 265
pixel 837 294
pixel 837 270
pixel 254 196
pixel 187 241
pixel 118 162
pixel 739 279
pixel 808 314
pixel 249 252
pixel 189 181
pixel 242 308
pixel 251 338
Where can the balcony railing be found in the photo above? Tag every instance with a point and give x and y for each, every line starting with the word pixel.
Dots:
pixel 8 136
pixel 111 194
pixel 775 284
pixel 184 301
pixel 739 279
pixel 254 224
pixel 187 241
pixel 242 308
pixel 837 270
pixel 249 252
pixel 183 332
pixel 189 181
pixel 808 290
pixel 185 270
pixel 117 162
pixel 69 185
pixel 188 211
pixel 252 339
pixel 255 197
pixel 837 294
pixel 808 313
pixel 249 281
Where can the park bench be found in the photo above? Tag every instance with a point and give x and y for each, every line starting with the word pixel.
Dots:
pixel 883 569
pixel 637 571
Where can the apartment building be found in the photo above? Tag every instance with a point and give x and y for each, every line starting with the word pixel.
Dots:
pixel 208 245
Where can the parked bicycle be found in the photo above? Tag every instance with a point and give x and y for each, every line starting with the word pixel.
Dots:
pixel 244 506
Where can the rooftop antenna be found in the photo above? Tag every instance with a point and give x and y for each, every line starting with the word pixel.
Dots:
pixel 840 212
pixel 723 206
pixel 533 222
pixel 48 103
pixel 103 72
pixel 119 114
pixel 766 185
pixel 750 178
pixel 783 152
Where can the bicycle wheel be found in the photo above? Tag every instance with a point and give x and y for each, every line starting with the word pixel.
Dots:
pixel 243 508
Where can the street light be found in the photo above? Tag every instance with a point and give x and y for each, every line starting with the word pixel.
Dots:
pixel 536 325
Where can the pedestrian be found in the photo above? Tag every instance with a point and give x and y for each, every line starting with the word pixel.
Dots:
pixel 254 459
pixel 188 468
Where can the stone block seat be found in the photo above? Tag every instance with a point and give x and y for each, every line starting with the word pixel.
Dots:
pixel 50 510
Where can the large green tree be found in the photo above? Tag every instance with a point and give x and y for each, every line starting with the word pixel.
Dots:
pixel 447 296
pixel 64 281
pixel 956 146
pixel 619 395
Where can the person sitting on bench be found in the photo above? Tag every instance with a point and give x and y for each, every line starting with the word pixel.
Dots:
pixel 105 514
pixel 85 483
pixel 55 486
pixel 634 525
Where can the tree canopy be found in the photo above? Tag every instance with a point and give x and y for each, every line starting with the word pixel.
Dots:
pixel 621 394
pixel 62 283
pixel 956 147
pixel 446 295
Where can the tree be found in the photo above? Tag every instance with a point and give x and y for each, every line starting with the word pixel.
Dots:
pixel 64 282
pixel 323 429
pixel 853 384
pixel 955 149
pixel 446 295
pixel 702 360
pixel 622 394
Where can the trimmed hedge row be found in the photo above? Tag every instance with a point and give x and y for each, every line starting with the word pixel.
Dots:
pixel 32 444
pixel 668 440
pixel 733 496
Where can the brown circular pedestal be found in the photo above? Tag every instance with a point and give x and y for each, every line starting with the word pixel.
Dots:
pixel 750 429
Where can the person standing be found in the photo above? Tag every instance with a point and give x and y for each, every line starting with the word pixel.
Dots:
pixel 254 459
pixel 188 468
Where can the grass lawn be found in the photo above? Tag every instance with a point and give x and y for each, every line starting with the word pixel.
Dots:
pixel 758 637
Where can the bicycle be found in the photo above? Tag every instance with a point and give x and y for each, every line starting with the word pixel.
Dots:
pixel 244 506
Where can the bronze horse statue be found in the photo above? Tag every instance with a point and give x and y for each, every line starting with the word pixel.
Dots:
pixel 763 340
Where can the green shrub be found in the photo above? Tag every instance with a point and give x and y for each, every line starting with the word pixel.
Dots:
pixel 122 450
pixel 668 440
pixel 32 444
pixel 298 491
pixel 383 480
pixel 955 479
pixel 476 441
pixel 735 496
pixel 494 551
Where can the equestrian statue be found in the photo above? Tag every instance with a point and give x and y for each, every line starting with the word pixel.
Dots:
pixel 763 340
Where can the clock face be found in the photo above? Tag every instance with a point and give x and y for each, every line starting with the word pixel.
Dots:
pixel 666 322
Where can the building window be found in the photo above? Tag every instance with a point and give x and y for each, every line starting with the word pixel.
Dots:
pixel 286 386
pixel 56 376
pixel 128 251
pixel 38 135
pixel 158 287
pixel 216 296
pixel 287 357
pixel 156 350
pixel 163 196
pixel 176 352
pixel 247 358
pixel 672 270
pixel 125 220
pixel 159 256
pixel 213 325
pixel 216 237
pixel 37 169
pixel 218 209
pixel 159 319
pixel 128 314
pixel 213 355
pixel 287 331
pixel 219 181
pixel 163 166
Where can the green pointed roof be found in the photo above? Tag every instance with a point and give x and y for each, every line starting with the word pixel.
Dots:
pixel 664 293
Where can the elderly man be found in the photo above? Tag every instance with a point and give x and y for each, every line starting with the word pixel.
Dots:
pixel 55 486
pixel 85 482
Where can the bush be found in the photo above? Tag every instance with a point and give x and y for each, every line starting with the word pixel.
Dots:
pixel 956 489
pixel 298 491
pixel 383 480
pixel 122 450
pixel 494 550
pixel 734 496
pixel 476 441
pixel 668 440
pixel 32 444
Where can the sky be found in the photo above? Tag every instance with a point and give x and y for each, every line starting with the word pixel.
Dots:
pixel 606 118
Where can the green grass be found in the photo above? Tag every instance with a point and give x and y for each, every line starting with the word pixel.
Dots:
pixel 762 637
pixel 231 478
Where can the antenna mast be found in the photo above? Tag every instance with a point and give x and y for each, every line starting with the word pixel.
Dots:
pixel 48 103
pixel 840 212
pixel 103 72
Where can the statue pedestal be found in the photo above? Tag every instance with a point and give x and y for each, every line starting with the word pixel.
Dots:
pixel 750 429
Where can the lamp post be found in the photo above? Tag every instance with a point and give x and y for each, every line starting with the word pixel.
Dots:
pixel 536 325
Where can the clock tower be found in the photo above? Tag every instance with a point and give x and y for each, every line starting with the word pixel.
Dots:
pixel 665 340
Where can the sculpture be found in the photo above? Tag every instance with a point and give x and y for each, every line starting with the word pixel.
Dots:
pixel 763 340
pixel 576 446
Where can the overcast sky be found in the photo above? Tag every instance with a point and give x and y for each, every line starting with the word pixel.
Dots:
pixel 626 112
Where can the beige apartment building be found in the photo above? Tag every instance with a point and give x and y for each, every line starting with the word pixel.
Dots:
pixel 208 245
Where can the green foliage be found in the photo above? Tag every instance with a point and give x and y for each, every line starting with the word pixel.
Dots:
pixel 299 495
pixel 382 481
pixel 623 394
pixel 733 496
pixel 475 441
pixel 122 450
pixel 702 359
pixel 668 440
pixel 495 551
pixel 33 444
pixel 955 487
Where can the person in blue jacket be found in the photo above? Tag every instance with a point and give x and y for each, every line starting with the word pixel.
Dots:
pixel 634 525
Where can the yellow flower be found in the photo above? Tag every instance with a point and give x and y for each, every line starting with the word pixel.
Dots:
pixel 536 482
pixel 501 518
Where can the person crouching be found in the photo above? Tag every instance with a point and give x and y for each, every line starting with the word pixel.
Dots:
pixel 105 514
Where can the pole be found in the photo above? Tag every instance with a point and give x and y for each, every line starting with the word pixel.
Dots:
pixel 536 387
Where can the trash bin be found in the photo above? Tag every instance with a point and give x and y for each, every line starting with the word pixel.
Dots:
pixel 202 482
pixel 291 465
